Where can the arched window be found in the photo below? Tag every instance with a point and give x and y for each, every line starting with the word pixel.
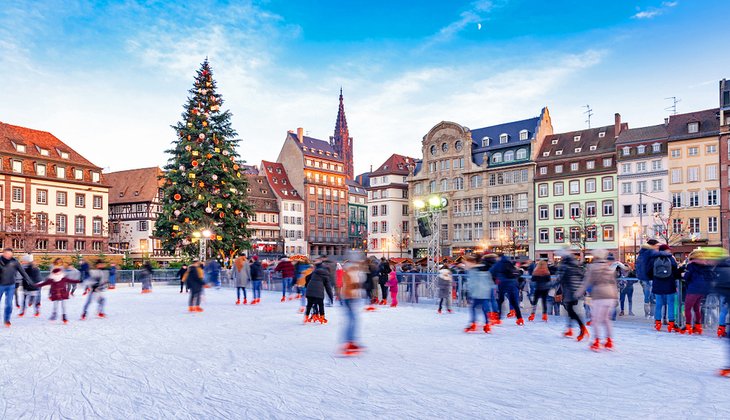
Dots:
pixel 521 154
pixel 432 187
pixel 459 183
pixel 509 156
pixel 476 181
pixel 523 135
pixel 444 185
pixel 497 158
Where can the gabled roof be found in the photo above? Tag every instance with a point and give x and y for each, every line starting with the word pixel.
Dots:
pixel 396 164
pixel 512 129
pixel 261 195
pixel 564 145
pixel 134 185
pixel 652 132
pixel 708 120
pixel 355 188
pixel 312 147
pixel 279 181
pixel 34 141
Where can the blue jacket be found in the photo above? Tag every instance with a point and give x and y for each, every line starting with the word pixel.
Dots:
pixel 699 279
pixel 662 286
pixel 479 283
pixel 643 268
pixel 503 270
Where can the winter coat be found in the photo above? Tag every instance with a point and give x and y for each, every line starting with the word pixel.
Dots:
pixel 59 285
pixel 241 277
pixel 351 283
pixel 34 275
pixel 181 272
pixel 383 272
pixel 600 278
pixel 479 283
pixel 643 267
pixel 303 270
pixel 98 280
pixel 257 271
pixel 194 277
pixel 319 283
pixel 666 286
pixel 338 277
pixel 699 278
pixel 392 282
pixel 504 271
pixel 84 270
pixel 722 278
pixel 286 268
pixel 10 268
pixel 444 287
pixel 570 276
pixel 542 282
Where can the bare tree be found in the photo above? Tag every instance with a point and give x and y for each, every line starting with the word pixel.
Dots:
pixel 24 231
pixel 514 241
pixel 119 233
pixel 670 228
pixel 401 239
pixel 583 231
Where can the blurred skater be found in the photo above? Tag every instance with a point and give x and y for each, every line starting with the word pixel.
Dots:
pixel 445 284
pixel 31 293
pixel 393 288
pixel 194 279
pixel 146 277
pixel 241 277
pixel 699 277
pixel 10 270
pixel 570 276
pixel 541 279
pixel 98 282
pixel 257 277
pixel 600 277
pixel 319 284
pixel 353 279
pixel 59 291
pixel 180 273
pixel 479 288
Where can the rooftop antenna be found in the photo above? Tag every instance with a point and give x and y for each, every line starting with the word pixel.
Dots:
pixel 673 106
pixel 589 113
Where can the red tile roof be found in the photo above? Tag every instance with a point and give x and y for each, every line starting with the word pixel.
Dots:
pixel 396 164
pixel 279 181
pixel 134 185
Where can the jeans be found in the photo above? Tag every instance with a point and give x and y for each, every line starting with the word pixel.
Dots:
pixel 92 295
pixel 646 287
pixel 9 292
pixel 303 293
pixel 238 292
pixel 508 289
pixel 662 300
pixel 537 296
pixel 573 315
pixel 628 292
pixel 256 289
pixel 479 303
pixel 723 311
pixel 113 280
pixel 351 323
pixel 553 307
pixel 316 306
pixel 285 286
pixel 31 299
pixel 195 296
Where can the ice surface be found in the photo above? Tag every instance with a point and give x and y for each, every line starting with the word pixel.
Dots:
pixel 152 359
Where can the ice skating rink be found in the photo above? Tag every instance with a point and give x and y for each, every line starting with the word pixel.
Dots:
pixel 152 359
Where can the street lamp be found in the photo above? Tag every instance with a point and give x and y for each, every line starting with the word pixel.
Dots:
pixel 635 230
pixel 202 236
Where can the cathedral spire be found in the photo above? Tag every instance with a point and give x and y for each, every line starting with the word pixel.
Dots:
pixel 341 141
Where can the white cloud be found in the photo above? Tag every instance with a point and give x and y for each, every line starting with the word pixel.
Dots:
pixel 475 14
pixel 653 12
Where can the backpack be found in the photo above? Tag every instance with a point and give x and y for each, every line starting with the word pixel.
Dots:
pixel 662 267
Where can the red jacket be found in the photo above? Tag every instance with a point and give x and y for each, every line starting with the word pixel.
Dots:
pixel 286 268
pixel 59 288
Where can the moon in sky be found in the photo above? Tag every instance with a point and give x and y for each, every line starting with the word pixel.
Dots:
pixel 479 26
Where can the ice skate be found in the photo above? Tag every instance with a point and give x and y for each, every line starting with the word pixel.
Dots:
pixel 568 333
pixel 245 301
pixel 588 324
pixel 238 302
pixel 65 320
pixel 511 314
pixel 83 316
pixel 471 328
pixel 7 324
pixel 20 315
pixel 531 317
pixel 393 305
pixel 545 317
pixel 306 319
pixel 198 309
pixel 658 325
pixel 283 298
pixel 671 327
pixel 631 313
pixel 191 308
pixel 487 329
pixel 370 308
pixel 724 372
pixel 37 314
pixel 450 311
pixel 439 311
pixel 698 329
pixel 609 344
pixel 520 321
pixel 101 315
pixel 583 334
pixel 596 346
pixel 687 329
pixel 323 320
pixel 621 313
pixel 721 331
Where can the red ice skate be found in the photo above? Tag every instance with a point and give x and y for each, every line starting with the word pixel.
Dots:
pixel 511 314
pixel 596 346
pixel 583 334
pixel 471 328
pixel 544 317
pixel 568 333
pixel 721 331
pixel 531 317
pixel 698 329
pixel 520 321
pixel 487 328
pixel 609 344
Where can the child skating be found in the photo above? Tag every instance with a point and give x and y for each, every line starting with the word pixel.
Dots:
pixel 393 287
pixel 59 291
pixel 98 282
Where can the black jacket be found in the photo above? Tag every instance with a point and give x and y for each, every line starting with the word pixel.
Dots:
pixel 9 269
pixel 319 283
pixel 257 271
pixel 383 271
pixel 35 277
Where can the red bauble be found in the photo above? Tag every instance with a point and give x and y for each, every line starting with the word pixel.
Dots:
pixel 177 197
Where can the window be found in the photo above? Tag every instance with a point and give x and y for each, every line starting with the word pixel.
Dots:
pixel 543 170
pixel 601 135
pixel 558 188
pixel 96 225
pixel 712 224
pixel 693 174
pixel 143 226
pixel 574 210
pixel 503 138
pixel 641 186
pixel 657 208
pixel 640 166
pixel 61 223
pixel 41 222
pixel 694 199
pixel 626 151
pixel 485 141
pixel 41 197
pixel 608 207
pixel 627 210
pixel 676 226
pixel 657 185
pixel 607 183
pixel 17 166
pixel 608 233
pixel 574 187
pixel 576 138
pixel 711 149
pixel 509 156
pixel 383 209
pixel 80 225
pixel 625 168
pixel 558 209
pixel 710 172
pixel 404 210
pixel 497 158
pixel 95 177
pixel 80 200
pixel 575 234
pixel 508 202
pixel 712 197
pixel 384 227
pixel 591 209
pixel 542 190
pixel 642 208
pixel 432 187
pixel 478 205
pixel 493 231
pixel 693 151
pixel 544 236
pixel 494 203
pixel 81 245
pixel 543 212
pixel 675 153
pixel 521 154
pixel 641 149
pixel 693 127
pixel 476 181
pixel 591 164
pixel 558 169
pixel 444 185
pixel 656 165
pixel 591 233
pixel 656 147
pixel 559 235
pixel 40 170
pixel 18 194
pixel 590 185
pixel 522 202
pixel 607 162
pixel 523 135
pixel 458 183
pixel 574 166
pixel 98 202
pixel 676 199
pixel 60 172
pixel 676 175
pixel 78 174
pixel 694 225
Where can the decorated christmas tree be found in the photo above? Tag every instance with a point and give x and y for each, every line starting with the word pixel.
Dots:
pixel 204 192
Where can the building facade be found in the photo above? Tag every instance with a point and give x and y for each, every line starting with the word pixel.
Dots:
pixel 725 162
pixel 53 199
pixel 291 204
pixel 266 239
pixel 644 202
pixel 389 208
pixel 357 220
pixel 575 187
pixel 694 178
pixel 486 175
pixel 134 204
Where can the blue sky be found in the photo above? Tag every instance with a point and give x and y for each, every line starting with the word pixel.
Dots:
pixel 109 78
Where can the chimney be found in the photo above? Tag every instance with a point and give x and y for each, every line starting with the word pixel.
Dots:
pixel 617 124
pixel 300 134
pixel 666 120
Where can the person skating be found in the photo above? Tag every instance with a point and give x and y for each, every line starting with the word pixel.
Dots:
pixel 241 277
pixel 145 276
pixel 194 279
pixel 445 286
pixel 393 288
pixel 212 273
pixel 11 268
pixel 257 276
pixel 542 281
pixel 383 272
pixel 286 269
pixel 480 287
pixel 505 276
pixel 600 277
pixel 31 293
pixel 721 286
pixel 372 283
pixel 319 284
pixel 570 276
pixel 98 282
pixel 643 273
pixel 84 269
pixel 699 277
pixel 664 273
pixel 112 276
pixel 338 282
pixel 303 269
pixel 180 273
pixel 352 281
pixel 59 291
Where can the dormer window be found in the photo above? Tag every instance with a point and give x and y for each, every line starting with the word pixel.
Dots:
pixel 523 135
pixel 577 150
pixel 593 148
pixel 641 149
pixel 693 127
pixel 656 147
pixel 576 138
pixel 64 155
pixel 78 174
pixel 485 141
pixel 278 170
pixel 95 177
pixel 17 166
pixel 283 181
pixel 20 148
pixel 503 138
pixel 559 152
pixel 625 151
pixel 602 134
pixel 545 154
pixel 555 141
pixel 275 181
pixel 40 170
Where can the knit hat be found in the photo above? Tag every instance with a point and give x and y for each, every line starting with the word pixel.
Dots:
pixel 664 247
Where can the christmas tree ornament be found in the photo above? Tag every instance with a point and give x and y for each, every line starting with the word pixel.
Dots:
pixel 209 209
pixel 195 153
pixel 201 184
pixel 217 150
pixel 177 212
pixel 194 163
pixel 190 125
pixel 205 123
pixel 215 177
pixel 177 197
pixel 219 205
pixel 225 153
pixel 201 136
pixel 208 156
pixel 188 148
pixel 182 167
pixel 219 237
pixel 191 175
pixel 221 215
pixel 175 227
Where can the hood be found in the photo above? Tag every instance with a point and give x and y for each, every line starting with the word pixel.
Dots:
pixel 56 275
pixel 646 247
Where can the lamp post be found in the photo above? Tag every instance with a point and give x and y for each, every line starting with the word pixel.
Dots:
pixel 635 230
pixel 203 236
pixel 433 207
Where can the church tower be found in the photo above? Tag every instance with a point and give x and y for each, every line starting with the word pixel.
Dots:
pixel 342 142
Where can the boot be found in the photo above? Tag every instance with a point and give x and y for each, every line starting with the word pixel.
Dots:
pixel 724 372
pixel 306 319
pixel 588 324
pixel 520 321
pixel 65 320
pixel 609 344
pixel 283 298
pixel 658 325
pixel 568 333
pixel 83 316
pixel 583 334
pixel 245 301
pixel 671 327
pixel 531 317
pixel 721 331
pixel 544 317
pixel 439 311
pixel 511 314
pixel 238 302
pixel 322 320
pixel 698 329
pixel 20 315
pixel 450 311
pixel 631 311
pixel 496 320
pixel 471 328
pixel 487 328
pixel 686 330
pixel 621 313
pixel 191 308
pixel 102 315
pixel 393 305
pixel 7 324
pixel 596 346
pixel 198 309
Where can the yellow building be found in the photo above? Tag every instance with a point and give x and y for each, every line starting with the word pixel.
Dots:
pixel 694 180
